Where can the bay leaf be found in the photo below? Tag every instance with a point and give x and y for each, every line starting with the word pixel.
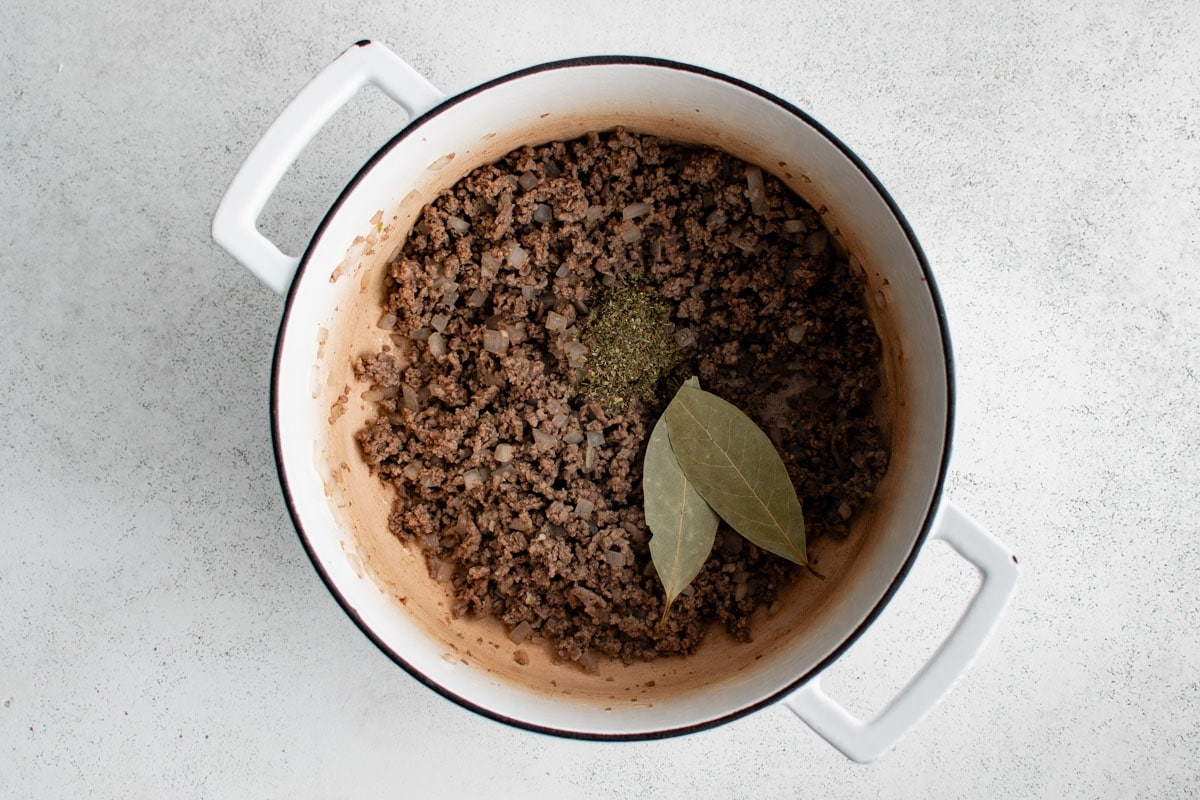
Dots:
pixel 682 526
pixel 735 468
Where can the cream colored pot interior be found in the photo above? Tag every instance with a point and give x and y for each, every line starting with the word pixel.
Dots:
pixel 342 509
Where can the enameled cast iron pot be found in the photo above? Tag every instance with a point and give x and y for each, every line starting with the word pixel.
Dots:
pixel 334 293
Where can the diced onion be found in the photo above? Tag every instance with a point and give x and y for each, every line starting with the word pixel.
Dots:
pixel 521 632
pixel 584 508
pixel 458 224
pixel 631 234
pixel 717 218
pixel 437 345
pixel 635 210
pixel 576 353
pixel 504 453
pixel 793 225
pixel 555 322
pixel 471 479
pixel 440 321
pixel 477 298
pixel 816 242
pixel 420 334
pixel 588 597
pixel 489 264
pixel 594 213
pixel 411 400
pixel 517 256
pixel 528 180
pixel 758 195
pixel 495 342
pixel 615 557
pixel 574 437
pixel 543 213
pixel 595 438
pixel 543 440
pixel 377 393
pixel 685 337
pixel 387 322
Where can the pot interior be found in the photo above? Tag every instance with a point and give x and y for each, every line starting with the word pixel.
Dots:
pixel 342 510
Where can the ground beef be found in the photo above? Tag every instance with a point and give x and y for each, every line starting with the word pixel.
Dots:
pixel 482 433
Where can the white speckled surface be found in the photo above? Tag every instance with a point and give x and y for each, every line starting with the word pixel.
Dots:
pixel 162 633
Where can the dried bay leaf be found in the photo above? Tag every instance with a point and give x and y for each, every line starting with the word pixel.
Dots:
pixel 736 469
pixel 682 525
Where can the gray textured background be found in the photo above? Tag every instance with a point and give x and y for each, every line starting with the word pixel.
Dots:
pixel 161 631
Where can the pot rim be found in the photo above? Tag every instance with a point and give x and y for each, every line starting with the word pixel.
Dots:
pixel 935 498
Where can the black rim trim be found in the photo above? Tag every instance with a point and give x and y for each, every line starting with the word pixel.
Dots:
pixel 938 486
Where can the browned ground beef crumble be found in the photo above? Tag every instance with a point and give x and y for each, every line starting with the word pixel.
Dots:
pixel 514 520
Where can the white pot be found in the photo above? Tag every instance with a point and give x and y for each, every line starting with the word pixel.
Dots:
pixel 333 295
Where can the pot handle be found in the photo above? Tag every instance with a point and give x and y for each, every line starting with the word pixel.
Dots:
pixel 235 225
pixel 866 741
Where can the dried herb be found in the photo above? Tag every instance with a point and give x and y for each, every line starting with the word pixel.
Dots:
pixel 706 459
pixel 736 469
pixel 682 525
pixel 628 335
